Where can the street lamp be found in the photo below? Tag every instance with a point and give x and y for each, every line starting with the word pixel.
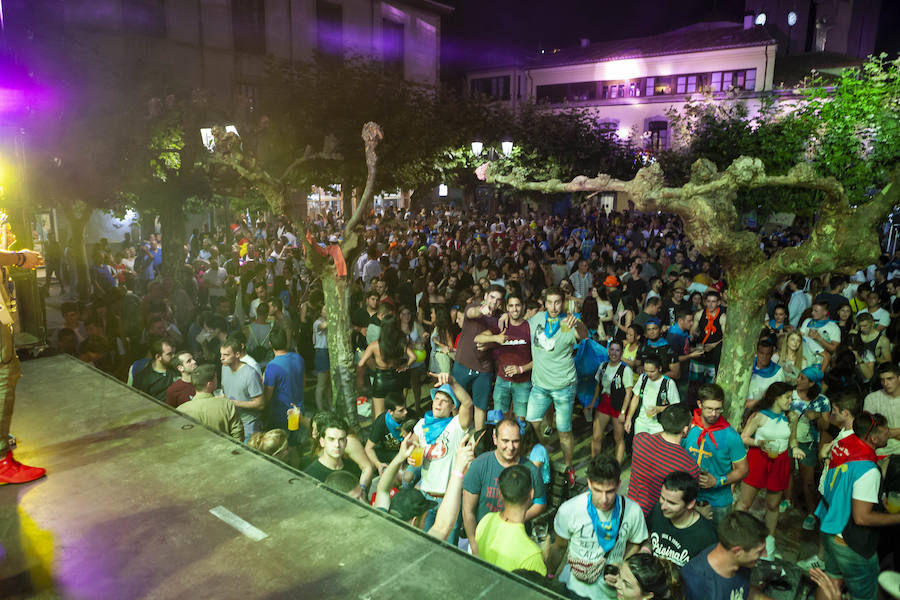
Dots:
pixel 791 20
pixel 760 19
pixel 506 148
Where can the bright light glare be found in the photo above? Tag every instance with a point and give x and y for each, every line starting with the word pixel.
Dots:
pixel 443 190
pixel 207 136
pixel 761 19
pixel 792 19
pixel 623 133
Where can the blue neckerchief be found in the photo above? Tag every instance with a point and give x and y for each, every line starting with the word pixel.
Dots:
pixel 606 531
pixel 657 343
pixel 819 322
pixel 434 427
pixel 765 372
pixel 772 325
pixel 551 325
pixel 393 426
pixel 774 416
pixel 676 330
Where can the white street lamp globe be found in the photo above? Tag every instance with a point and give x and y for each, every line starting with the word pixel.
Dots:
pixel 761 19
pixel 792 19
pixel 477 147
pixel 507 147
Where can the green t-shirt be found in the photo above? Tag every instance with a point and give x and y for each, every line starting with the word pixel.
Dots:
pixel 554 364
pixel 507 546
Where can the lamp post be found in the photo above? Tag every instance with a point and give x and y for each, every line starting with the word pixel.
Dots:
pixel 506 148
pixel 791 21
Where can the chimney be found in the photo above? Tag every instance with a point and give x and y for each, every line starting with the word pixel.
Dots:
pixel 585 42
pixel 748 20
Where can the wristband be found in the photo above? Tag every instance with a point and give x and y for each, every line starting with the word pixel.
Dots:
pixel 457 473
pixel 20 259
pixel 722 480
pixel 520 369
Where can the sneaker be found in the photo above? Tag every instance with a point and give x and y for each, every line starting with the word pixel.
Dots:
pixel 12 471
pixel 890 583
pixel 809 523
pixel 813 562
pixel 569 477
pixel 784 506
pixel 548 431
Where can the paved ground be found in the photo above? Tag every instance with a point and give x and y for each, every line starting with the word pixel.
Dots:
pixel 140 502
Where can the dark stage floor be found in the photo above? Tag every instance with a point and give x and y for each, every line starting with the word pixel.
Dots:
pixel 140 502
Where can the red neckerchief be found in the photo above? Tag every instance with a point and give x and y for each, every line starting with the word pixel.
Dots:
pixel 850 449
pixel 704 428
pixel 710 325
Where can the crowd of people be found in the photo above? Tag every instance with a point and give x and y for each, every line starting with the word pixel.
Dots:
pixel 532 333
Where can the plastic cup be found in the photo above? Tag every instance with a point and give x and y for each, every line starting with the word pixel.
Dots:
pixel 417 456
pixel 893 502
pixel 293 419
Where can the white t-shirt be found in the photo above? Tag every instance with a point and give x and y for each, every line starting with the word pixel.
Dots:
pixel 759 384
pixel 650 393
pixel 879 402
pixel 813 350
pixel 438 457
pixel 627 377
pixel 573 523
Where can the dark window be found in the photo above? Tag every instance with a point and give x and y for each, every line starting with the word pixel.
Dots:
pixel 392 47
pixel 493 87
pixel 147 17
pixel 250 92
pixel 248 18
pixel 330 28
pixel 554 94
pixel 659 135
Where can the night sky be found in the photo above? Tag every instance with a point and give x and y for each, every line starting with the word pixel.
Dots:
pixel 496 31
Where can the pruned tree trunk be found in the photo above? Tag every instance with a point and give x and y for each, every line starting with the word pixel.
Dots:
pixel 172 222
pixel 340 347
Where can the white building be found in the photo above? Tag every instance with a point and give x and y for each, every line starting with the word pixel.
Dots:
pixel 630 84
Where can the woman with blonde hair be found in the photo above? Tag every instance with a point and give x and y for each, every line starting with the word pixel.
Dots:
pixel 790 356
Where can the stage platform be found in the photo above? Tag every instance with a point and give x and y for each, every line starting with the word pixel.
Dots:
pixel 142 502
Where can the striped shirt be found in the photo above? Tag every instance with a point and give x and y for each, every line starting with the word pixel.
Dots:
pixel 652 458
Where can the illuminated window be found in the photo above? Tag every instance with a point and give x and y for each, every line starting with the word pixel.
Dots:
pixel 716 82
pixel 681 84
pixel 691 84
pixel 649 86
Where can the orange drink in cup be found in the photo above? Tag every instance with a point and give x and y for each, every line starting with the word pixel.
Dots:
pixel 293 419
pixel 417 456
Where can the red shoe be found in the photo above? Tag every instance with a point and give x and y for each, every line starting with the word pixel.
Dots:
pixel 12 471
pixel 570 477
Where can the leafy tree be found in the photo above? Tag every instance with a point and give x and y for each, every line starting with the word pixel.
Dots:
pixel 852 128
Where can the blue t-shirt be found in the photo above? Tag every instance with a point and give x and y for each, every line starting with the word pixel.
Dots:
pixel 716 459
pixel 701 582
pixel 285 374
pixel 539 454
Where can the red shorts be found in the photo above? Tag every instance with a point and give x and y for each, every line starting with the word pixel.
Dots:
pixel 772 474
pixel 605 406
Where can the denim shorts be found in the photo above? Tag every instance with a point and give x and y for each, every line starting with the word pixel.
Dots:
pixel 505 390
pixel 322 363
pixel 860 574
pixel 477 383
pixel 540 400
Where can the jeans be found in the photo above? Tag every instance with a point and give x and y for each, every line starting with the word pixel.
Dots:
pixel 563 399
pixel 860 574
pixel 505 390
pixel 477 383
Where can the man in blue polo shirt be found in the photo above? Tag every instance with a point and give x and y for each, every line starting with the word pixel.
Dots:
pixel 718 449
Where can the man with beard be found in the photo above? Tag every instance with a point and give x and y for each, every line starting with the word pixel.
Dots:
pixel 481 493
pixel 155 378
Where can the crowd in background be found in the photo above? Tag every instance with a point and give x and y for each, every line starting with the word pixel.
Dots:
pixel 531 332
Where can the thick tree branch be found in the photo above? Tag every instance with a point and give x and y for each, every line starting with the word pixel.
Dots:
pixel 371 135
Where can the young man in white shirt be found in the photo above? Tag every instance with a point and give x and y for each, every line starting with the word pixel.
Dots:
pixel 596 529
pixel 820 334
